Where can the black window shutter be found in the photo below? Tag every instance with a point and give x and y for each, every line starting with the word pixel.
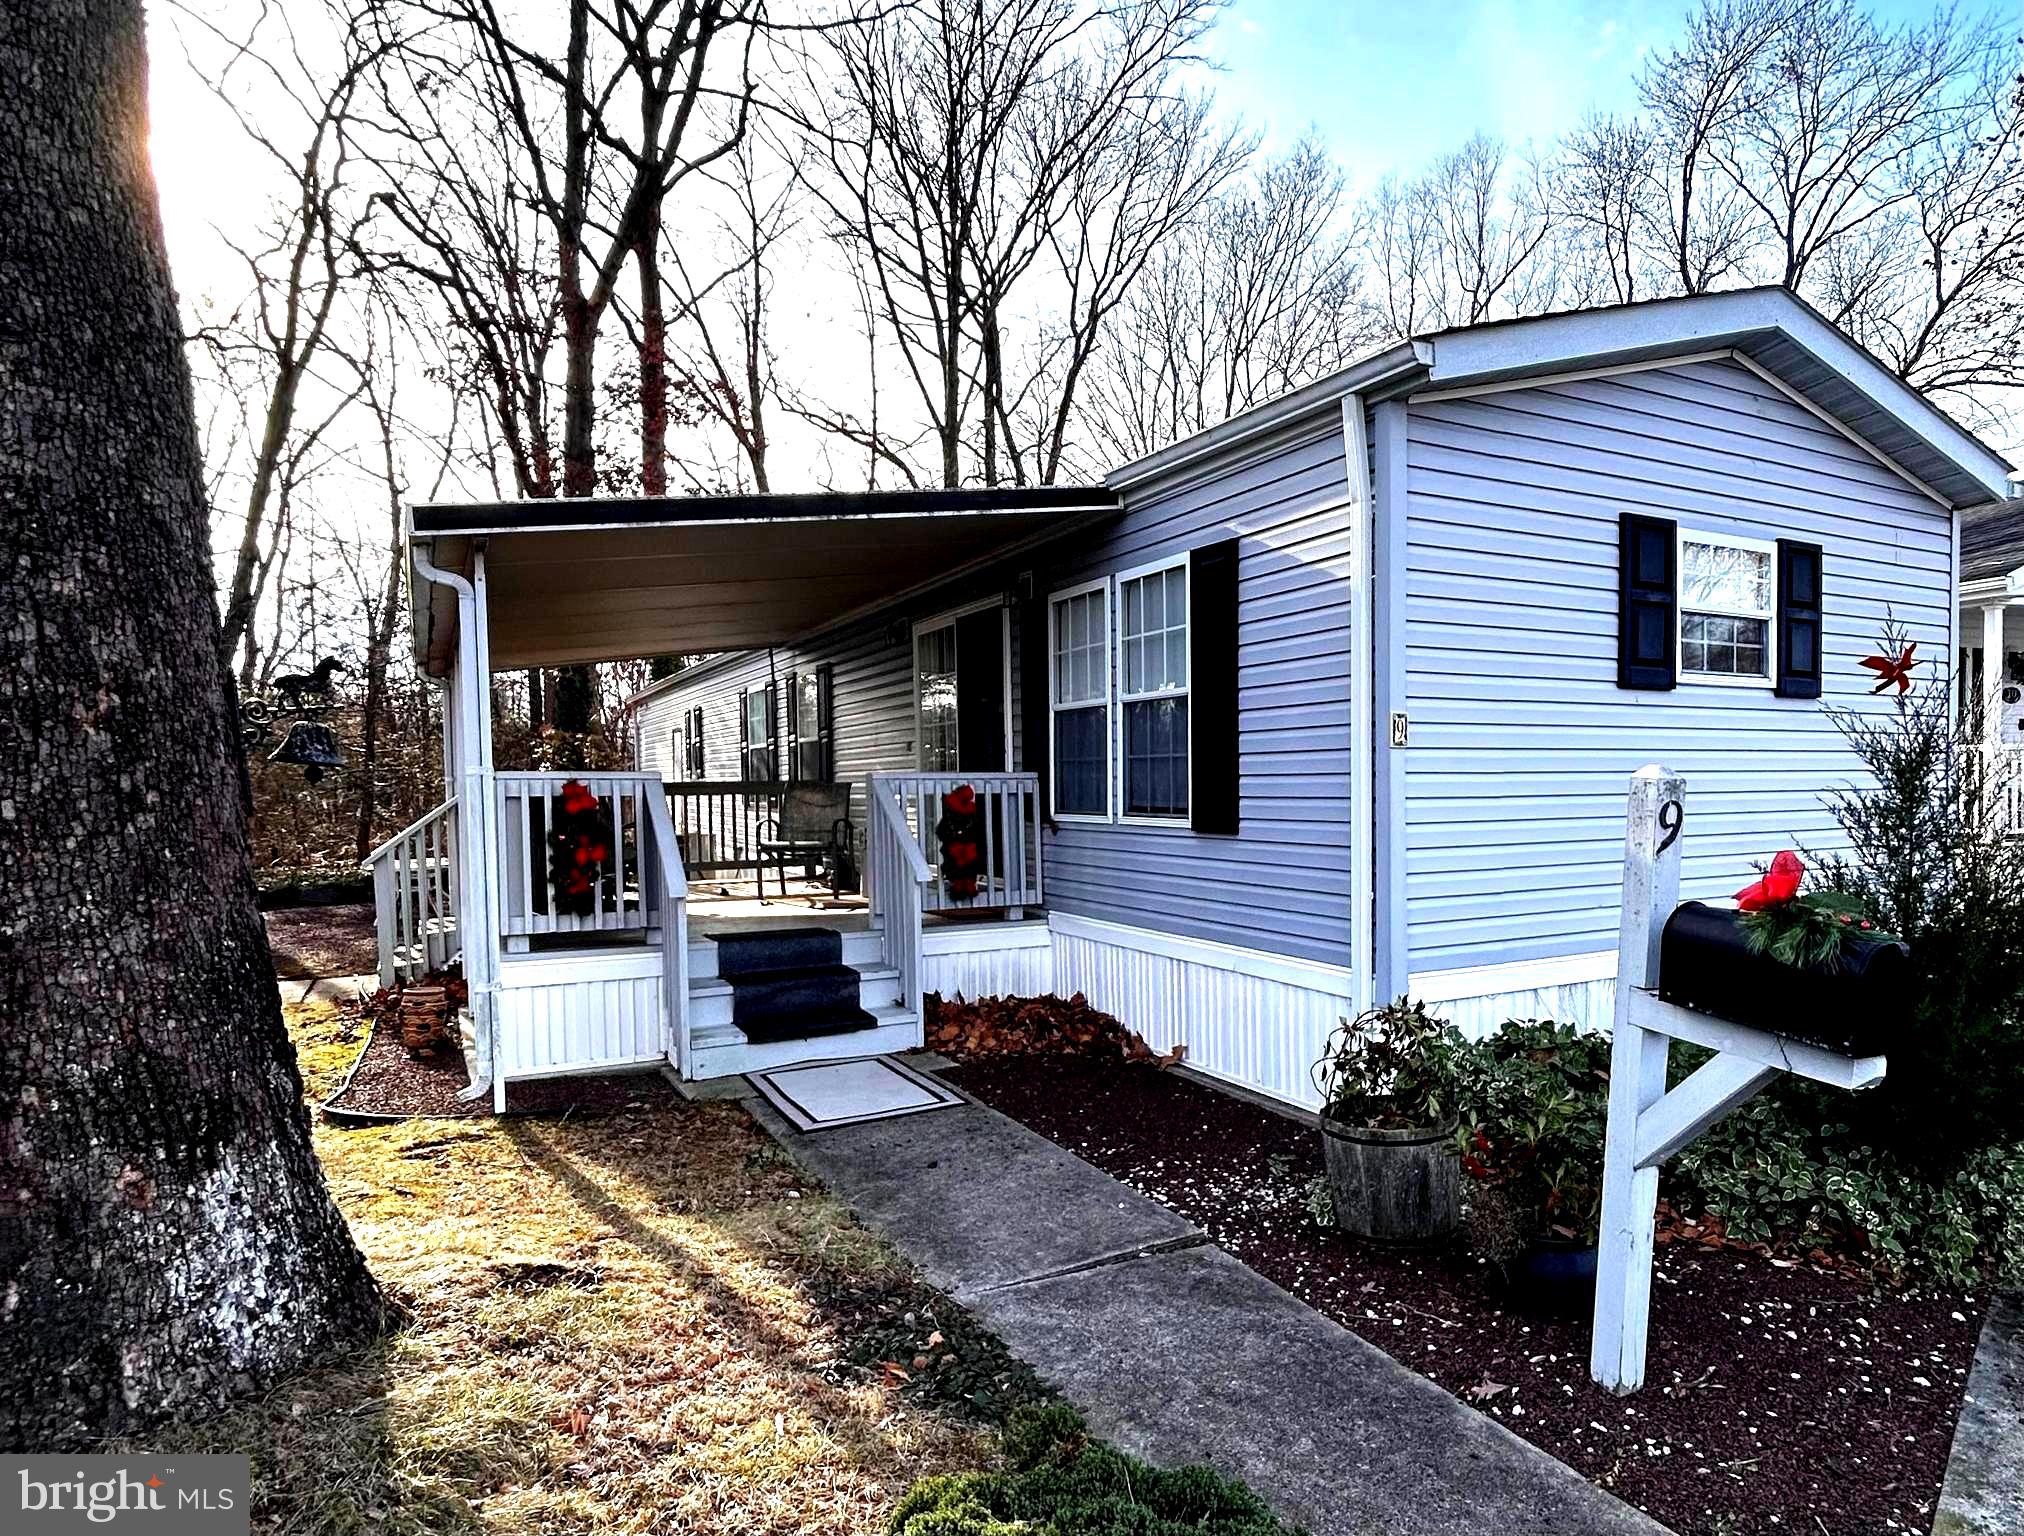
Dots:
pixel 702 759
pixel 1036 640
pixel 1798 620
pixel 744 733
pixel 793 727
pixel 1212 688
pixel 771 757
pixel 1648 614
pixel 825 722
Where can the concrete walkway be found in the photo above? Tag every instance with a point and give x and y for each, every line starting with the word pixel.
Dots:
pixel 1175 1351
pixel 1984 1492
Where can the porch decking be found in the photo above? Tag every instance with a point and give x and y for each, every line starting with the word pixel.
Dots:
pixel 627 976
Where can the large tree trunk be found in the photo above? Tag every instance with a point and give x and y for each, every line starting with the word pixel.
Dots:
pixel 165 1235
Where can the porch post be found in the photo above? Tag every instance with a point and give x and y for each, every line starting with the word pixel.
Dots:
pixel 1992 674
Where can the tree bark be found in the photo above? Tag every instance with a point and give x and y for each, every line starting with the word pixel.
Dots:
pixel 165 1235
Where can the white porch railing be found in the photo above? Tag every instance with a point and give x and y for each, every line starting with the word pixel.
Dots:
pixel 667 886
pixel 899 876
pixel 414 887
pixel 1009 805
pixel 717 822
pixel 621 901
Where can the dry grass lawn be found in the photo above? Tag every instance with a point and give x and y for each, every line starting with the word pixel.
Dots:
pixel 638 1321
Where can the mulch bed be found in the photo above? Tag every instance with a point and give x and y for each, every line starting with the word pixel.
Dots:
pixel 322 941
pixel 388 1081
pixel 1779 1398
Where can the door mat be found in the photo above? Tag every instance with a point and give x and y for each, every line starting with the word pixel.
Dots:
pixel 829 1093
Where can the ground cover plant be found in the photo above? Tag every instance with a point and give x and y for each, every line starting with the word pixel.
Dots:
pixel 1785 1394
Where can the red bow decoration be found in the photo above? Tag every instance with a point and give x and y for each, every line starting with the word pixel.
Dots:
pixel 1890 671
pixel 962 800
pixel 1779 885
pixel 577 798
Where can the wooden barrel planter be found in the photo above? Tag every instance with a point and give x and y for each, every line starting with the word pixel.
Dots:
pixel 1854 1007
pixel 1393 1186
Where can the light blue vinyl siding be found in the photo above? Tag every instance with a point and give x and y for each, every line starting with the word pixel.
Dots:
pixel 1280 885
pixel 1521 740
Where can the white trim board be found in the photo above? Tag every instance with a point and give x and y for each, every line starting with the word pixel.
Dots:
pixel 984 938
pixel 1314 975
pixel 1472 981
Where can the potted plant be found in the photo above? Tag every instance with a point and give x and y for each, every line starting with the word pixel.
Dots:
pixel 1812 965
pixel 1387 1083
pixel 1534 1098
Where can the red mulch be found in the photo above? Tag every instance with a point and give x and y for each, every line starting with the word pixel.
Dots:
pixel 391 1082
pixel 1780 1398
pixel 322 941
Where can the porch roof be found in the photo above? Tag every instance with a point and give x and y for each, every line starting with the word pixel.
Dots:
pixel 605 579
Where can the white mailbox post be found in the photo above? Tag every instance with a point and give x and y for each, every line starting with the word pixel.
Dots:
pixel 1647 1124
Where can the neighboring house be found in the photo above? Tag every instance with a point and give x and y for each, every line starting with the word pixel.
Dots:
pixel 1332 702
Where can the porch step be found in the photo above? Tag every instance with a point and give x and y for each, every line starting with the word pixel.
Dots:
pixel 723 1051
pixel 786 984
pixel 861 947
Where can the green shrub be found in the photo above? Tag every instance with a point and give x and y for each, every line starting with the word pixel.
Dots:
pixel 1793 1165
pixel 1533 1100
pixel 1929 854
pixel 1064 1484
pixel 1390 1066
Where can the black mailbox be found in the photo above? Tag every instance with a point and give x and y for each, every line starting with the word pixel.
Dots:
pixel 1856 1007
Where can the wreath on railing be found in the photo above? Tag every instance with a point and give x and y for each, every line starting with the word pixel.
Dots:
pixel 580 840
pixel 961 835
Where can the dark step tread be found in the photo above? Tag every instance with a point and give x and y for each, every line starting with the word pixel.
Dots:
pixel 806 1026
pixel 778 949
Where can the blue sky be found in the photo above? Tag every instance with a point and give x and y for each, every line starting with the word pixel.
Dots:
pixel 1391 84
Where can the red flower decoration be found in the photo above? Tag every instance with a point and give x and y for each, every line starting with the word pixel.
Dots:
pixel 1890 670
pixel 1779 885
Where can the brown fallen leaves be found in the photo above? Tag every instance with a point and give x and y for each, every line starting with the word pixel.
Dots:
pixel 1709 1233
pixel 1033 1026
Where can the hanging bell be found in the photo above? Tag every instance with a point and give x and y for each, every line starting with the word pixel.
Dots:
pixel 311 747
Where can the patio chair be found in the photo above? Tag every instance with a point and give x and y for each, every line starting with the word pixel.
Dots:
pixel 814 823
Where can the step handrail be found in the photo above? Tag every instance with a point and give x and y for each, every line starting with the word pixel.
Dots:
pixel 417 892
pixel 409 830
pixel 900 875
pixel 667 853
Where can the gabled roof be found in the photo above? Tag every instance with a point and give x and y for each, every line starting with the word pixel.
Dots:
pixel 1992 541
pixel 1770 328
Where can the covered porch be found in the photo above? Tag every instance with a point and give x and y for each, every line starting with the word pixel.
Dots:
pixel 657 947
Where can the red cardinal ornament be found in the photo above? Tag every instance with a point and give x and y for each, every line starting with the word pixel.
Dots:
pixel 1779 885
pixel 1890 671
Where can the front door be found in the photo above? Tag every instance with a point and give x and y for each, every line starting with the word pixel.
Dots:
pixel 959 691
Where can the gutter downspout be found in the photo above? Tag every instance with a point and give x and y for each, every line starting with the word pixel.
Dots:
pixel 475 841
pixel 1362 714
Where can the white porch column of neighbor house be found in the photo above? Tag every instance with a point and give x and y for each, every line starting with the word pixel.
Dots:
pixel 1991 680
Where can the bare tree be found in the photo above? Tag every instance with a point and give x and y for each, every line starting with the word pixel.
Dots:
pixel 170 1239
pixel 955 133
pixel 1465 241
pixel 724 358
pixel 299 268
pixel 1696 94
pixel 1258 294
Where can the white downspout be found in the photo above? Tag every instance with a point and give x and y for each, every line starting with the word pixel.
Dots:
pixel 1362 720
pixel 478 928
